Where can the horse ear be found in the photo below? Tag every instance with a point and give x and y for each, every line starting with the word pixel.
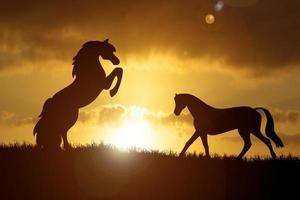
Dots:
pixel 106 40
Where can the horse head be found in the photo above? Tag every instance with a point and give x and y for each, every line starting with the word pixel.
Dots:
pixel 91 50
pixel 179 104
pixel 107 52
pixel 103 49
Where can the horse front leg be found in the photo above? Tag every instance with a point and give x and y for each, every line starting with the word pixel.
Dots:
pixel 117 72
pixel 188 143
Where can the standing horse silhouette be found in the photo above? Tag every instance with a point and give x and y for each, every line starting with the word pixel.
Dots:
pixel 60 112
pixel 213 121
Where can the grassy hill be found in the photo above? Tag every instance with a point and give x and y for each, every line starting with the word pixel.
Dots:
pixel 101 172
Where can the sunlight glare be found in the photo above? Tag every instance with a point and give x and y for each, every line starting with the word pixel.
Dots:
pixel 135 131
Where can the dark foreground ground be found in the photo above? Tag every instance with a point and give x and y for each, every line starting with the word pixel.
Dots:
pixel 100 172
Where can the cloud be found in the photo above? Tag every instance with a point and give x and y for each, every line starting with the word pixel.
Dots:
pixel 257 35
pixel 8 118
pixel 115 115
pixel 293 140
pixel 169 119
pixel 286 116
pixel 107 114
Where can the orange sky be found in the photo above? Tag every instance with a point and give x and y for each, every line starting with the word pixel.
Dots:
pixel 248 56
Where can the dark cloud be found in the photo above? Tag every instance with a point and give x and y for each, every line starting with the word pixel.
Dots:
pixel 260 35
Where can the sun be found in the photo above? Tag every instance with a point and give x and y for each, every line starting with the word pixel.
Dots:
pixel 135 131
pixel 132 135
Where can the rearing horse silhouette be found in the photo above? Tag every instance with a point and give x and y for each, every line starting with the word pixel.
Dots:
pixel 60 112
pixel 213 121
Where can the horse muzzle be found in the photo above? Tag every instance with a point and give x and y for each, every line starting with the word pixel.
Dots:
pixel 115 60
pixel 176 113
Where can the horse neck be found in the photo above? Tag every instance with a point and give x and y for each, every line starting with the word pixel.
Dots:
pixel 89 69
pixel 196 106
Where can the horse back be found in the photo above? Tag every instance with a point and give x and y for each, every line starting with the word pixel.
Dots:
pixel 223 120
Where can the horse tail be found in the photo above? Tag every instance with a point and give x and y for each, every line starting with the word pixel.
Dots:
pixel 36 128
pixel 270 132
pixel 46 108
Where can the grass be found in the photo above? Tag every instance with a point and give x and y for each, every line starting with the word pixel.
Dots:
pixel 103 172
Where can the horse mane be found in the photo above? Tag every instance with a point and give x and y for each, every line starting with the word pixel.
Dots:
pixel 194 99
pixel 83 56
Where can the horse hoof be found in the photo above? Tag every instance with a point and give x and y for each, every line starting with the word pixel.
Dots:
pixel 67 147
pixel 274 157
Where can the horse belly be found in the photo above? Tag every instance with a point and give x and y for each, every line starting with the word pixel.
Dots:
pixel 88 97
pixel 81 92
pixel 218 127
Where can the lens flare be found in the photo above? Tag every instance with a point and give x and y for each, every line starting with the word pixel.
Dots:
pixel 219 6
pixel 210 19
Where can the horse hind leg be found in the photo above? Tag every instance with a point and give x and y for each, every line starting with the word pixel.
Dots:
pixel 247 142
pixel 53 142
pixel 265 140
pixel 205 144
pixel 48 141
pixel 39 141
pixel 67 145
pixel 71 119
